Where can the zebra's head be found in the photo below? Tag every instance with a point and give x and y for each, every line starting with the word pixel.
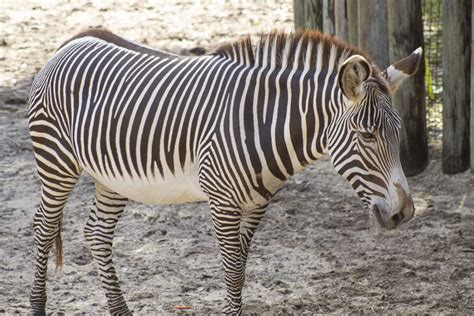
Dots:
pixel 363 140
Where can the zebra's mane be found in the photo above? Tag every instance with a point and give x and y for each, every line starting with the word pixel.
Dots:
pixel 286 48
pixel 298 49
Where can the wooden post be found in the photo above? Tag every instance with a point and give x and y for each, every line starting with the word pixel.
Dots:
pixel 328 17
pixel 352 25
pixel 308 14
pixel 373 30
pixel 340 17
pixel 472 88
pixel 405 29
pixel 456 87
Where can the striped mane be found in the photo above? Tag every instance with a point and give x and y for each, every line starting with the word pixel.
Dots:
pixel 288 48
pixel 297 50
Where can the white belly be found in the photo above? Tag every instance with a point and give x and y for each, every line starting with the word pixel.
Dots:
pixel 172 190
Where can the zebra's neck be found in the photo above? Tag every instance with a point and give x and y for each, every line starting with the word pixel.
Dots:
pixel 293 96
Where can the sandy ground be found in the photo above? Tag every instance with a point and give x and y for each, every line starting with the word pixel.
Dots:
pixel 315 251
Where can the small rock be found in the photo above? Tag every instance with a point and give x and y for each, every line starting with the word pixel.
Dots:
pixel 72 272
pixel 15 101
pixel 206 276
pixel 280 283
pixel 3 42
pixel 188 288
pixel 70 300
pixel 458 274
pixel 298 305
pixel 149 233
pixel 82 260
pixel 285 291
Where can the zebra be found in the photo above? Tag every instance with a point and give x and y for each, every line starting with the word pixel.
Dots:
pixel 228 128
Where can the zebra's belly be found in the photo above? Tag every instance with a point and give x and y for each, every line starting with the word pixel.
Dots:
pixel 175 190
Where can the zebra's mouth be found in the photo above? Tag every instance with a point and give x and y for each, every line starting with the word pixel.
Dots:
pixel 378 216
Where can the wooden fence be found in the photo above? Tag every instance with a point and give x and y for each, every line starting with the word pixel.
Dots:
pixel 392 29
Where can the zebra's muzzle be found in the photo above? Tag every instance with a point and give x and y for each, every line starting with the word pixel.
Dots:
pixel 383 222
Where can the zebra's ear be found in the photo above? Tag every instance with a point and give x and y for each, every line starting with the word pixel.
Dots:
pixel 352 75
pixel 402 69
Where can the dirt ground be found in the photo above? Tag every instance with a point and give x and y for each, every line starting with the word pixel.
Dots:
pixel 315 251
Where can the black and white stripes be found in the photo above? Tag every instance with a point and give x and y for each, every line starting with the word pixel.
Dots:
pixel 228 128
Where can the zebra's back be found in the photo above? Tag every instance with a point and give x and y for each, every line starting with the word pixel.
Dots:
pixel 136 122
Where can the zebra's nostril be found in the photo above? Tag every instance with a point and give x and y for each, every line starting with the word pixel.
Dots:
pixel 397 218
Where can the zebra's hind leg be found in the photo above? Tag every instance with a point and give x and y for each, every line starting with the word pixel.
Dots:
pixel 99 232
pixel 56 185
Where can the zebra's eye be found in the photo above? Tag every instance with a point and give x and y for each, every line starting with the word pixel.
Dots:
pixel 367 136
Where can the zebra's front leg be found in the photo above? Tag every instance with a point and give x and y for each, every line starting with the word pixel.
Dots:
pixel 99 232
pixel 248 226
pixel 227 226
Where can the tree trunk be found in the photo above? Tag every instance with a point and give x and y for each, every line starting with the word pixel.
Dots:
pixel 405 29
pixel 340 17
pixel 328 17
pixel 456 84
pixel 352 23
pixel 373 30
pixel 308 14
pixel 472 88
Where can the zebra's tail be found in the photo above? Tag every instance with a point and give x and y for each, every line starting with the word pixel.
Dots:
pixel 58 243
